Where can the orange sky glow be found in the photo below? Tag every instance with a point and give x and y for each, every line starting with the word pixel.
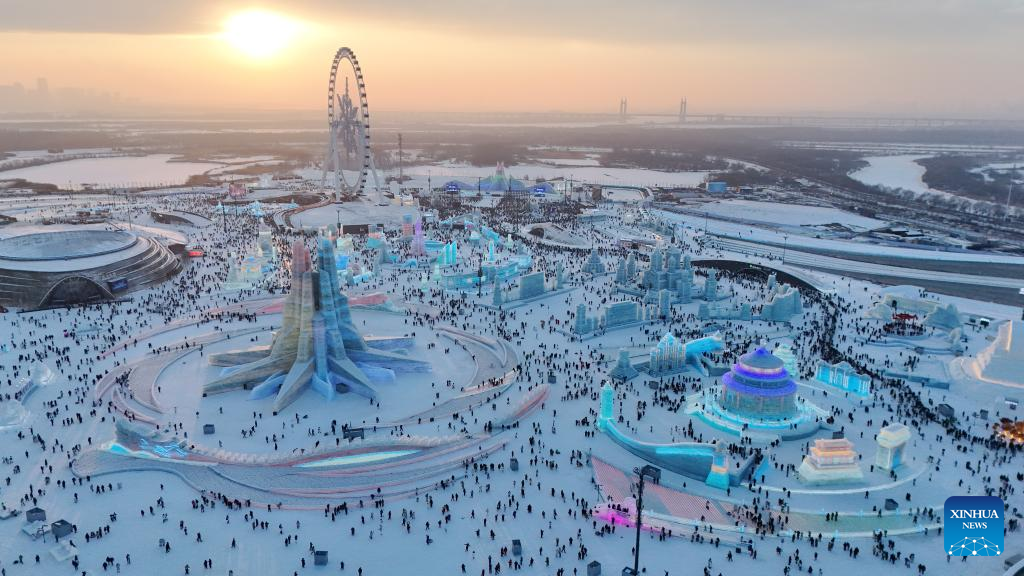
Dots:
pixel 492 62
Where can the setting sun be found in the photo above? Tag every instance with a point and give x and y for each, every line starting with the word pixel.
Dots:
pixel 259 34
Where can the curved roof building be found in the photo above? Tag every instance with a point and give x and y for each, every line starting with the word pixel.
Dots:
pixel 759 388
pixel 67 267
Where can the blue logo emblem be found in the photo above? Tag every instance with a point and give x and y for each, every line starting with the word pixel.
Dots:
pixel 973 526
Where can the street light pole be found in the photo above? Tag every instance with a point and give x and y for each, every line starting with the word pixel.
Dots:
pixel 129 202
pixel 655 475
pixel 639 512
pixel 1009 192
pixel 785 246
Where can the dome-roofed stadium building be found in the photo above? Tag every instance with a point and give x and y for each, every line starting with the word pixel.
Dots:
pixel 68 267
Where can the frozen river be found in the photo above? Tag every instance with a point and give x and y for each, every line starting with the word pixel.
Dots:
pixel 154 169
pixel 899 171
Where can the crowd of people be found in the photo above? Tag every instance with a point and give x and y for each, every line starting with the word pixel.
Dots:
pixel 476 513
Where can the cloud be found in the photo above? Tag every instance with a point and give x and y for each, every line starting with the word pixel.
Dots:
pixel 105 16
pixel 604 21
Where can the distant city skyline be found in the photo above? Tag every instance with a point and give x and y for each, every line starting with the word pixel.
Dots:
pixel 38 97
pixel 912 58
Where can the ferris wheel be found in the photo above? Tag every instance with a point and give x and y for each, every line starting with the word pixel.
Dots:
pixel 349 124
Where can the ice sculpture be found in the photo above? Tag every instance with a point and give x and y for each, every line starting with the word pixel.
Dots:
pixel 317 346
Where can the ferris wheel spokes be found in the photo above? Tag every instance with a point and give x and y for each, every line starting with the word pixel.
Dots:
pixel 349 126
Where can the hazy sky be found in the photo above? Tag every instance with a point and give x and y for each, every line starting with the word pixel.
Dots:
pixel 962 57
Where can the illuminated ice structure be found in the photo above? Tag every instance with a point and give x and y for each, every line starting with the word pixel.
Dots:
pixel 944 318
pixel 830 461
pixel 901 299
pixel 718 474
pixel 785 353
pixel 668 356
pixel 384 255
pixel 711 286
pixel 493 273
pixel 13 414
pixel 498 297
pixel 449 254
pixel 12 409
pixel 669 270
pixel 492 237
pixel 418 244
pixel 672 356
pixel 607 406
pixel 782 304
pixel 141 441
pixel 758 398
pixel 531 286
pixel 244 273
pixel 247 272
pixel 759 387
pixel 621 314
pixel 844 377
pixel 626 270
pixel 657 225
pixel 615 315
pixel 725 312
pixel 254 209
pixel 317 346
pixel 594 266
pixel 892 442
pixel 708 463
pixel 1002 361
pixel 39 376
pixel 583 323
pixel 623 369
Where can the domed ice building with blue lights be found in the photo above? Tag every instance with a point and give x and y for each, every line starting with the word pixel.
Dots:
pixel 758 387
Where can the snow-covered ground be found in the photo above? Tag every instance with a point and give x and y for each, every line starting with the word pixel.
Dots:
pixel 468 523
pixel 788 214
pixel 1013 169
pixel 571 161
pixel 590 174
pixel 154 169
pixel 896 172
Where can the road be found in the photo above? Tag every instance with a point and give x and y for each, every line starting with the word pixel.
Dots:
pixel 992 288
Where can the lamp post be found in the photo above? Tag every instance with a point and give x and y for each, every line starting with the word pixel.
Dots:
pixel 1009 192
pixel 654 473
pixel 785 246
